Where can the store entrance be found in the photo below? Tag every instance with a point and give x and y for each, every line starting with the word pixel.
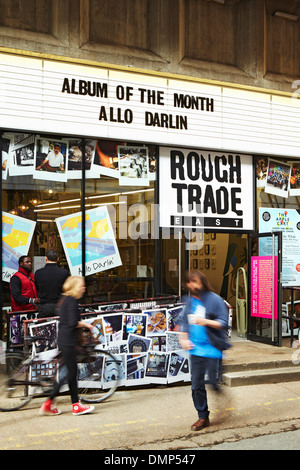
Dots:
pixel 220 257
pixel 265 299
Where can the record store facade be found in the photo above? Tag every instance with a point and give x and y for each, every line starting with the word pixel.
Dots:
pixel 135 176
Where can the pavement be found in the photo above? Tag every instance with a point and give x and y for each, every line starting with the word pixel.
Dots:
pixel 288 440
pixel 249 352
pixel 159 418
pixel 249 362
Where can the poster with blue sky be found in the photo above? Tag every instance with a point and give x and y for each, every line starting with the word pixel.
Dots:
pixel 101 251
pixel 17 234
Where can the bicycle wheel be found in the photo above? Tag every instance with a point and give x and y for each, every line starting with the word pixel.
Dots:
pixel 99 377
pixel 13 376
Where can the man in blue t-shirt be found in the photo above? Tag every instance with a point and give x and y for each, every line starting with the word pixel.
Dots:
pixel 203 325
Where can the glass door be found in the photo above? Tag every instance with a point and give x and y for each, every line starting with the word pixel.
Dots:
pixel 264 287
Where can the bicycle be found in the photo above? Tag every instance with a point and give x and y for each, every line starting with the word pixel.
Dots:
pixel 23 376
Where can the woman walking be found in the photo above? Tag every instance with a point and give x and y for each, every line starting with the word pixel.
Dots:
pixel 69 322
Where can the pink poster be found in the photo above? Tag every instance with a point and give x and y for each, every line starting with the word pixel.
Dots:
pixel 261 286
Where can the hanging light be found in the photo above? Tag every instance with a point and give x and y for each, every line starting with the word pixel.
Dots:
pixel 34 201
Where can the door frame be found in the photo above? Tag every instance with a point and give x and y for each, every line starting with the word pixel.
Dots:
pixel 276 325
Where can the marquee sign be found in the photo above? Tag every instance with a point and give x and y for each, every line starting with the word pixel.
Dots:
pixel 69 99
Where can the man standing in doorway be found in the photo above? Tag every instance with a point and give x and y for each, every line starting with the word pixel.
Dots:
pixel 49 281
pixel 23 294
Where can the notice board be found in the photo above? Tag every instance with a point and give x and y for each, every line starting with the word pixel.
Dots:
pixel 262 288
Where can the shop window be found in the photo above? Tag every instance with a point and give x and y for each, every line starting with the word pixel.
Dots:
pixel 278 187
pixel 119 246
pixel 277 183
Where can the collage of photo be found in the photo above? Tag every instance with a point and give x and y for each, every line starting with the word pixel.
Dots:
pixel 145 343
pixel 278 178
pixel 60 160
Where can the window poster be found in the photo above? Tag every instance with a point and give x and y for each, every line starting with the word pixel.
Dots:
pixel 101 251
pixel 17 234
pixel 263 283
pixel 288 222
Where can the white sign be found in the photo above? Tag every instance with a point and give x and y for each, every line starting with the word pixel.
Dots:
pixel 101 250
pixel 76 100
pixel 17 233
pixel 207 190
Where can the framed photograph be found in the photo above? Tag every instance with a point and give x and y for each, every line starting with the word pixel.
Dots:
pixel 133 166
pixel 106 160
pixel 21 160
pixel 136 369
pixel 113 327
pixel 98 332
pixel 173 343
pixel 295 179
pixel 74 157
pixel 157 366
pixel 173 315
pixel 152 162
pixel 159 343
pixel 278 178
pixel 134 324
pixel 156 321
pixel 261 171
pixel 50 160
pixel 49 330
pixel 138 344
pixel 6 146
pixel 179 368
